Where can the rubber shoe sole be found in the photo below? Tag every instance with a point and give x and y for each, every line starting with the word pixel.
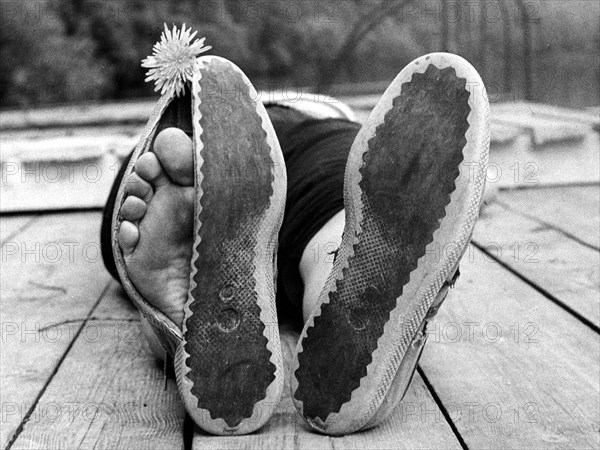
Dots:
pixel 227 357
pixel 229 368
pixel 410 212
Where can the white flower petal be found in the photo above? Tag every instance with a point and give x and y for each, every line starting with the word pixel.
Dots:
pixel 174 59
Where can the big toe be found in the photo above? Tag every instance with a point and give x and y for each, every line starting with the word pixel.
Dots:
pixel 174 151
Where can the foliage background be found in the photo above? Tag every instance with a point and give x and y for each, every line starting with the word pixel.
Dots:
pixel 64 51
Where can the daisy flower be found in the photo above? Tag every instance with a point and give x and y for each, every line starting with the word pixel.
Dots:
pixel 173 60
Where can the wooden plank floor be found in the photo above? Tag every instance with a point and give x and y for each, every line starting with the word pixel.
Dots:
pixel 511 362
pixel 512 359
pixel 46 152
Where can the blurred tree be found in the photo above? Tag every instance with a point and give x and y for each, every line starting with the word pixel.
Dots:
pixel 526 20
pixel 82 50
pixel 367 22
pixel 41 64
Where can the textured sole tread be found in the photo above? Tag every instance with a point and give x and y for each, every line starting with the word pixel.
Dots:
pixel 229 361
pixel 394 232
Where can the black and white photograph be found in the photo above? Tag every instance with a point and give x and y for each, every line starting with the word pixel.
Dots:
pixel 300 224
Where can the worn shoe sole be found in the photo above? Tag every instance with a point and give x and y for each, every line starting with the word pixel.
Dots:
pixel 228 356
pixel 413 186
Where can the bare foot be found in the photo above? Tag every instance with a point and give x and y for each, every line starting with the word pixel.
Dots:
pixel 156 233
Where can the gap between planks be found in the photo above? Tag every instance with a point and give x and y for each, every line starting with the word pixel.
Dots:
pixel 111 387
pixel 34 404
pixel 45 278
pixel 513 370
pixel 549 225
pixel 574 210
pixel 563 270
pixel 11 227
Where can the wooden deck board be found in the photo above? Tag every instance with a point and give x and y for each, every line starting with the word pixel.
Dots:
pixel 554 262
pixel 78 149
pixel 50 275
pixel 109 392
pixel 10 226
pixel 556 163
pixel 513 369
pixel 572 209
pixel 535 386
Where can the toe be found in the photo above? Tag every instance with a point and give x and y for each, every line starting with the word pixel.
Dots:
pixel 134 185
pixel 174 150
pixel 129 235
pixel 133 208
pixel 148 167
